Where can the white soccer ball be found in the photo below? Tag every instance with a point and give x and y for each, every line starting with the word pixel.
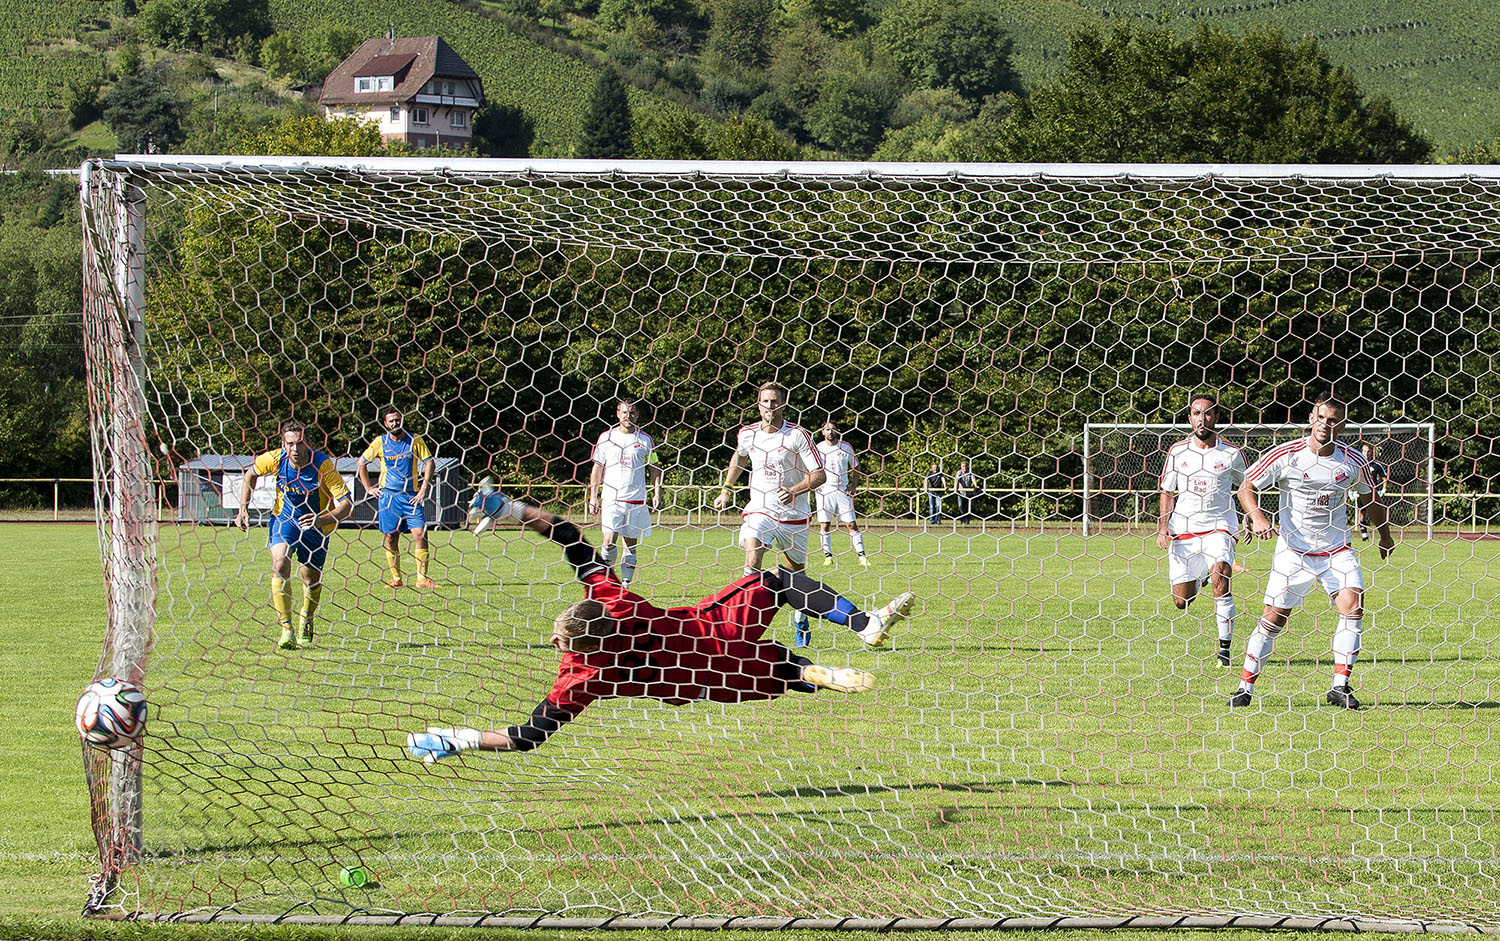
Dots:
pixel 111 714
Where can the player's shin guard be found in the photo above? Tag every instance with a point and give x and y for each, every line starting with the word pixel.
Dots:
pixel 608 552
pixel 311 596
pixel 1346 641
pixel 281 600
pixel 393 562
pixel 627 565
pixel 811 596
pixel 826 540
pixel 423 556
pixel 1257 649
pixel 858 538
pixel 1224 616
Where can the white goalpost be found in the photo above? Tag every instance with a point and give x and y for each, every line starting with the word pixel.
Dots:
pixel 1133 453
pixel 1047 742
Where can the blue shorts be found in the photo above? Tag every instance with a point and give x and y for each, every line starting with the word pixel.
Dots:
pixel 310 545
pixel 398 508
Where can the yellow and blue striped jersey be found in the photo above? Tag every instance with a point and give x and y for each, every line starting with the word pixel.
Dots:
pixel 302 490
pixel 399 459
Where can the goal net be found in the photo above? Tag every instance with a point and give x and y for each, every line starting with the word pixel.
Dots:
pixel 1122 467
pixel 1048 738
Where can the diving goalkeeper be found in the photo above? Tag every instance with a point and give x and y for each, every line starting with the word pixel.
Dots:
pixel 617 644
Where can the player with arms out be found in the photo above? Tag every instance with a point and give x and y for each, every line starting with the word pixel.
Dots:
pixel 784 469
pixel 1198 523
pixel 311 500
pixel 836 495
pixel 400 455
pixel 624 457
pixel 616 644
pixel 1315 476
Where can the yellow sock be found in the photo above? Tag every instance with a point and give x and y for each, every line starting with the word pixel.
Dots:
pixel 281 600
pixel 310 598
pixel 422 555
pixel 393 562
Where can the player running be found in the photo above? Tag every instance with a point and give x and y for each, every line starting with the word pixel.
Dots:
pixel 836 495
pixel 311 499
pixel 400 456
pixel 1198 520
pixel 624 457
pixel 616 644
pixel 784 469
pixel 1315 476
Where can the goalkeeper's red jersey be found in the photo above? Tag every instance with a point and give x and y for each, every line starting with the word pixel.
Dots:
pixel 712 650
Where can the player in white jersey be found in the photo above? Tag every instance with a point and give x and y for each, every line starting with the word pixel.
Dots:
pixel 1315 476
pixel 836 496
pixel 1198 523
pixel 784 469
pixel 624 457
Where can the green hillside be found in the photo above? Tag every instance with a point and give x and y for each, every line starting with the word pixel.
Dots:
pixel 39 55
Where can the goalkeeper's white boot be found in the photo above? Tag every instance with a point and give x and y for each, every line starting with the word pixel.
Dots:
pixel 438 743
pixel 882 621
pixel 490 506
pixel 838 679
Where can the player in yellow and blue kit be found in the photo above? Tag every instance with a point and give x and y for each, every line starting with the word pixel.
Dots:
pixel 401 456
pixel 311 499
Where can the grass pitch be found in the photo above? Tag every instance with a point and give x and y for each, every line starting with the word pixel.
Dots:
pixel 1050 737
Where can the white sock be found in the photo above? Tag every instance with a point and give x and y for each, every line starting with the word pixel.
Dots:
pixel 1224 615
pixel 1346 641
pixel 858 539
pixel 465 739
pixel 1262 641
pixel 608 554
pixel 827 540
pixel 627 565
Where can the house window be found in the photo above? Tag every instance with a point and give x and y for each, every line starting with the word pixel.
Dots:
pixel 385 83
pixel 419 115
pixel 395 113
pixel 458 119
pixel 364 84
pixel 447 88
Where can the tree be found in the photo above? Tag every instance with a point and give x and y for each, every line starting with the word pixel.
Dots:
pixel 854 102
pixel 203 25
pixel 744 137
pixel 322 48
pixel 81 98
pixel 279 55
pixel 502 130
pixel 1143 94
pixel 672 134
pixel 144 114
pixel 957 44
pixel 740 32
pixel 838 18
pixel 314 136
pixel 607 121
pixel 801 55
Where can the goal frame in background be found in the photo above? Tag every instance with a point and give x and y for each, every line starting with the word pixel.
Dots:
pixel 115 338
pixel 1286 431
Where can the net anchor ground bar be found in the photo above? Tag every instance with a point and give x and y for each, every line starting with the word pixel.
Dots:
pixel 789 923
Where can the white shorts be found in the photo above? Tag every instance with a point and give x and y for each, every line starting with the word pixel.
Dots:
pixel 838 505
pixel 1189 560
pixel 1294 574
pixel 631 520
pixel 787 538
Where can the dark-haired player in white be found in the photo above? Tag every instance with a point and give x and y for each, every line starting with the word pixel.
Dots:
pixel 1198 523
pixel 1315 476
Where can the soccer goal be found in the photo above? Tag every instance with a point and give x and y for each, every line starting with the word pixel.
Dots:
pixel 1122 466
pixel 1047 741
